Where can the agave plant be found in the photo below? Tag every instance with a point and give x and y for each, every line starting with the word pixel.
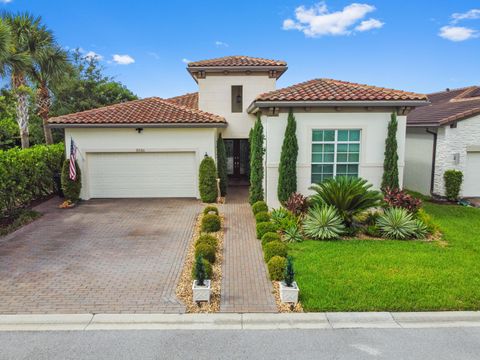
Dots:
pixel 323 222
pixel 292 233
pixel 421 230
pixel 350 196
pixel 397 223
pixel 284 219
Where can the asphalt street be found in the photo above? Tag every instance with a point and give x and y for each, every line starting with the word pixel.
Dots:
pixel 349 344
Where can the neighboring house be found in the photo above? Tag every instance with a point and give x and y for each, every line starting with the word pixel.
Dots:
pixel 153 147
pixel 442 136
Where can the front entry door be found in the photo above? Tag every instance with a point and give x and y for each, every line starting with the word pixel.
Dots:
pixel 238 159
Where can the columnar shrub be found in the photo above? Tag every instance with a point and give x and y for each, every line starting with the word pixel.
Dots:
pixel 274 248
pixel 256 163
pixel 276 268
pixel 200 273
pixel 289 272
pixel 211 223
pixel 28 174
pixel 390 162
pixel 287 178
pixel 399 198
pixel 222 165
pixel 259 206
pixel 71 188
pixel 208 180
pixel 207 269
pixel 453 182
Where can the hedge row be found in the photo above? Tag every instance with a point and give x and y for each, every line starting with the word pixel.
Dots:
pixel 28 174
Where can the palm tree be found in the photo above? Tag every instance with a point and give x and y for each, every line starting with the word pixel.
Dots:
pixel 49 66
pixel 29 37
pixel 5 41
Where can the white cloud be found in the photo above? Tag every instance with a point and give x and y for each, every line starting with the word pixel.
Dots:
pixel 6 1
pixel 318 21
pixel 123 59
pixel 154 55
pixel 369 25
pixel 221 44
pixel 186 61
pixel 457 33
pixel 469 15
pixel 92 55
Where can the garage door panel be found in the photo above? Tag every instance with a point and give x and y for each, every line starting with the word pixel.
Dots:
pixel 142 174
pixel 471 183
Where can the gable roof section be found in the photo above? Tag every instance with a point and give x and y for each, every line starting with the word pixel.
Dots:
pixel 446 107
pixel 236 61
pixel 189 100
pixel 337 90
pixel 151 111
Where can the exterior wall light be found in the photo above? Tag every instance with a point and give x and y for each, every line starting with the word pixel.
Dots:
pixel 139 130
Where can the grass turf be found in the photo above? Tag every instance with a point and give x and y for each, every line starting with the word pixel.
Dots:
pixel 369 275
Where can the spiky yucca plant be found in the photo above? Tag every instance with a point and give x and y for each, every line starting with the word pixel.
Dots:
pixel 323 222
pixel 397 223
pixel 350 196
pixel 292 234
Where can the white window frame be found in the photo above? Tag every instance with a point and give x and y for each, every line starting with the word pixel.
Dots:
pixel 335 143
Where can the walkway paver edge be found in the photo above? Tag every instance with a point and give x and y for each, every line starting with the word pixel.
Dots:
pixel 237 321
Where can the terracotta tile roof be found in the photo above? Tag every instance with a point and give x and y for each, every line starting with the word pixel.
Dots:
pixel 446 107
pixel 189 100
pixel 336 90
pixel 152 110
pixel 236 61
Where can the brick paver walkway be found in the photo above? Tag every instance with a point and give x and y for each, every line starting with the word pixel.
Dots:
pixel 245 286
pixel 105 256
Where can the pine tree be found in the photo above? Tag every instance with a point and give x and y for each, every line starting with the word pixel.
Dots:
pixel 222 165
pixel 390 164
pixel 287 180
pixel 256 163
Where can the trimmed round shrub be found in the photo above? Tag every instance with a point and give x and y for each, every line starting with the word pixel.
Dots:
pixel 207 239
pixel 276 268
pixel 207 267
pixel 274 248
pixel 453 182
pixel 262 216
pixel 210 209
pixel 259 206
pixel 208 180
pixel 206 251
pixel 264 227
pixel 71 189
pixel 211 223
pixel 269 237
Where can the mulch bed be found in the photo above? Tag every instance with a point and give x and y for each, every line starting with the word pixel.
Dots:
pixel 184 288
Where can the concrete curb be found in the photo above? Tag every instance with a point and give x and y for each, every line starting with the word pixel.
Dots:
pixel 250 321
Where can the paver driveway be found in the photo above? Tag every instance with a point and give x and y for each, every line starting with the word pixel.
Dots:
pixel 104 256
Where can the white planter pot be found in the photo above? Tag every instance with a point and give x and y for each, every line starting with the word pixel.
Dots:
pixel 289 294
pixel 201 293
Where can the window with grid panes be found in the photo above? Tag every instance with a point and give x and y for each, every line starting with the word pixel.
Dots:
pixel 335 153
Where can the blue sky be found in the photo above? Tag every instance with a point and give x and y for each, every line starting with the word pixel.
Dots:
pixel 412 45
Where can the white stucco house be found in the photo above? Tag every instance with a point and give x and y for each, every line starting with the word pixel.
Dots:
pixel 441 136
pixel 153 147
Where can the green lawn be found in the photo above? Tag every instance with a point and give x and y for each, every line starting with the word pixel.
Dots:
pixel 368 275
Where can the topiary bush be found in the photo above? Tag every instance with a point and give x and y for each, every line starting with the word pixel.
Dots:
pixel 208 180
pixel 289 272
pixel 259 206
pixel 199 271
pixel 207 239
pixel 206 251
pixel 269 237
pixel 71 188
pixel 211 223
pixel 262 216
pixel 453 182
pixel 264 227
pixel 274 248
pixel 276 268
pixel 210 209
pixel 207 269
pixel 323 223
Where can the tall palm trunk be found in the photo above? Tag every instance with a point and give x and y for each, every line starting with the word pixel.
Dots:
pixel 43 101
pixel 19 81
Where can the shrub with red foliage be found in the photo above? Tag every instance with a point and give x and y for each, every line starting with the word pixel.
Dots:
pixel 399 198
pixel 297 204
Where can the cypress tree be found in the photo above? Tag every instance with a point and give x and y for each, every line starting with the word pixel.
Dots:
pixel 222 165
pixel 256 163
pixel 390 163
pixel 208 180
pixel 287 178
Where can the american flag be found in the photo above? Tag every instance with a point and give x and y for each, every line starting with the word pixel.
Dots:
pixel 73 157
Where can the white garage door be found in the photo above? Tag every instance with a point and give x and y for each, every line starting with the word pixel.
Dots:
pixel 127 175
pixel 471 184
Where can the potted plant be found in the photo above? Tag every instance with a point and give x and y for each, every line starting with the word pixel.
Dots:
pixel 201 286
pixel 288 287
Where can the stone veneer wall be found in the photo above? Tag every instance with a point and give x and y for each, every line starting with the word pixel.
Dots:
pixel 451 141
